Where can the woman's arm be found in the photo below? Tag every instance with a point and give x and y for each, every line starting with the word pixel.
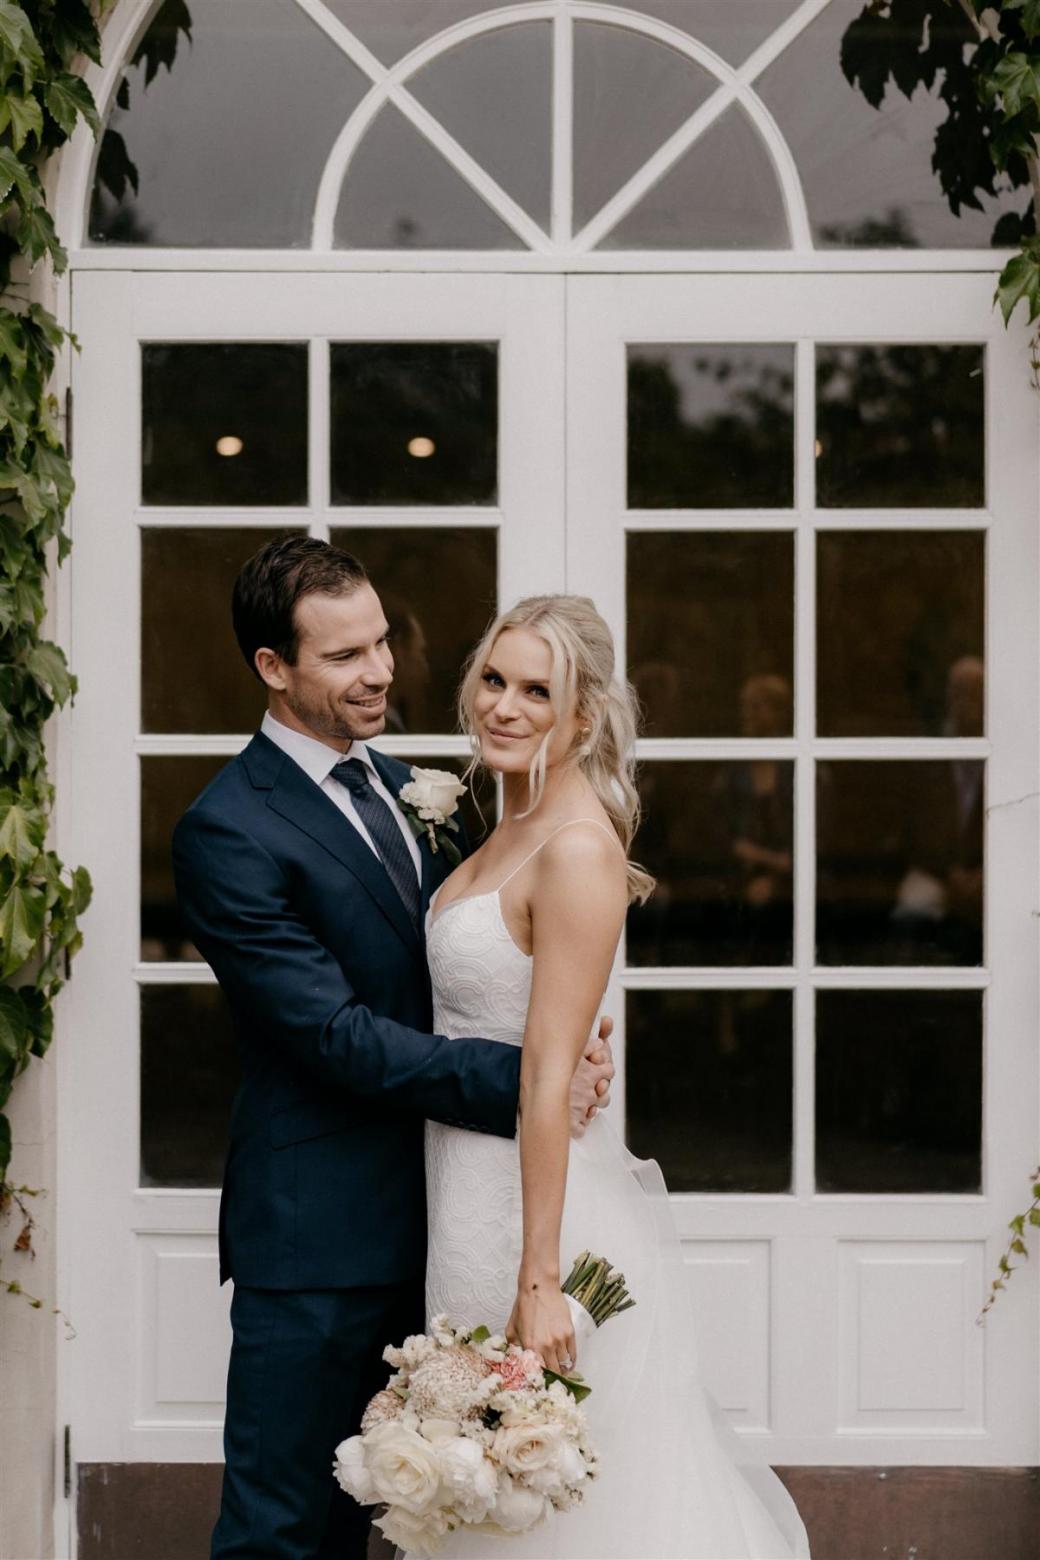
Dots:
pixel 578 901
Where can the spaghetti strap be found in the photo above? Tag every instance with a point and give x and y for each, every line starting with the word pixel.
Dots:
pixel 569 824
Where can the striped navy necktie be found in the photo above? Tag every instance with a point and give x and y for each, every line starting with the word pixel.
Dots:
pixel 384 830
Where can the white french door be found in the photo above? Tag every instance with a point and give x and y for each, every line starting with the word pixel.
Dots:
pixel 831 1001
pixel 808 507
pixel 418 421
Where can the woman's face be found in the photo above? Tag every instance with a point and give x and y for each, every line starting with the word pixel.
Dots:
pixel 512 710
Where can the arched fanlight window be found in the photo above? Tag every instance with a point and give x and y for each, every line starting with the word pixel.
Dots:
pixel 553 126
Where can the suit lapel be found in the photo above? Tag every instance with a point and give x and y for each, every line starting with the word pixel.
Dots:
pixel 296 798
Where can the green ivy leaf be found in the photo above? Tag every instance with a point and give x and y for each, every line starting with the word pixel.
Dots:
pixel 21 926
pixel 26 119
pixel 48 665
pixel 14 1025
pixel 18 41
pixel 1030 17
pixel 36 236
pixel 13 175
pixel 1020 281
pixel 21 833
pixel 82 890
pixel 1017 79
pixel 12 341
pixel 66 98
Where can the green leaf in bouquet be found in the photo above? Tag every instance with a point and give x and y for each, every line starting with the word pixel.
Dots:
pixel 480 1335
pixel 574 1383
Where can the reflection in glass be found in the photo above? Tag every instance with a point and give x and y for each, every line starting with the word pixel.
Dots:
pixel 414 422
pixel 900 861
pixel 193 677
pixel 630 94
pixel 494 95
pixel 432 628
pixel 710 631
pixel 189 1074
pixel 722 193
pixel 710 426
pixel 718 838
pixel 900 425
pixel 899 633
pixel 224 423
pixel 898 1091
pixel 168 787
pixel 867 172
pixel 400 193
pixel 709 1089
pixel 195 152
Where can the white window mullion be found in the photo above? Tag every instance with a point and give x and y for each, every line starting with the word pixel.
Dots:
pixel 562 127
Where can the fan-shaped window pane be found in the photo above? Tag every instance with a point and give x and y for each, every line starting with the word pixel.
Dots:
pixel 494 95
pixel 393 28
pixel 721 194
pixel 400 193
pixel 732 28
pixel 630 94
pixel 867 172
pixel 221 127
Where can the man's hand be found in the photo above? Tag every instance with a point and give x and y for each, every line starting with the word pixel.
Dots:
pixel 590 1086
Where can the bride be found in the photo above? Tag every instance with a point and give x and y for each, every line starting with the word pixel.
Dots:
pixel 520 941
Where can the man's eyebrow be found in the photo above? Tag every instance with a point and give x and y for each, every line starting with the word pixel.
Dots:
pixel 332 655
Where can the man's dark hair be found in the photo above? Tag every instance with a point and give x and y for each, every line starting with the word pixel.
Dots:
pixel 263 603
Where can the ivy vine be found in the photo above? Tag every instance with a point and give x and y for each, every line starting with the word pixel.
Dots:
pixel 41 102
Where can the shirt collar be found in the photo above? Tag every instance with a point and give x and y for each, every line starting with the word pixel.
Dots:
pixel 315 758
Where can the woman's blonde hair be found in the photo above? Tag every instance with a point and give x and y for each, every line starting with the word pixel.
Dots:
pixel 582 679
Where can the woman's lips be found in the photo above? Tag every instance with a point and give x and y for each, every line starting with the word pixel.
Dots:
pixel 503 736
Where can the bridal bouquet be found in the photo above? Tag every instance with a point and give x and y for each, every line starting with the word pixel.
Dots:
pixel 473 1431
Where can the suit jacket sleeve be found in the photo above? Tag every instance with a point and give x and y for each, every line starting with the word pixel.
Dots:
pixel 281 979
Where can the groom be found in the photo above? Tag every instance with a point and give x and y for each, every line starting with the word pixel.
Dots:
pixel 305 889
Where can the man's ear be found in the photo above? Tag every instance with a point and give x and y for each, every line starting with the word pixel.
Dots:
pixel 270 668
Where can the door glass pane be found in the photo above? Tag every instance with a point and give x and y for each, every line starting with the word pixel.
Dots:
pixel 494 95
pixel 900 425
pixel 438 589
pixel 193 676
pixel 189 1074
pixel 630 94
pixel 710 426
pixel 169 784
pixel 400 193
pixel 900 633
pixel 867 172
pixel 898 1091
pixel 718 838
pixel 900 861
pixel 722 193
pixel 196 152
pixel 224 423
pixel 414 422
pixel 709 1088
pixel 710 631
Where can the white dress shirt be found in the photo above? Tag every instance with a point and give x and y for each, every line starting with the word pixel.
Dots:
pixel 317 760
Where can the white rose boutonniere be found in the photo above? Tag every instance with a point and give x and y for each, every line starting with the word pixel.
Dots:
pixel 428 801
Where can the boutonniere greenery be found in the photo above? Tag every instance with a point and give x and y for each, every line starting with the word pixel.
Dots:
pixel 429 800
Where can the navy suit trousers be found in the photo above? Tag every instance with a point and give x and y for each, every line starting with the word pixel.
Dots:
pixel 303 1365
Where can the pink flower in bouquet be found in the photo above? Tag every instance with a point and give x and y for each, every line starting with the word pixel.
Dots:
pixel 519 1371
pixel 443 1385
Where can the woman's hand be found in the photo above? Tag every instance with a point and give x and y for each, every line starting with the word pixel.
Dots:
pixel 541 1321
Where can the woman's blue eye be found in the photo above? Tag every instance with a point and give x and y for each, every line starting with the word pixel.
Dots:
pixel 543 693
pixel 492 678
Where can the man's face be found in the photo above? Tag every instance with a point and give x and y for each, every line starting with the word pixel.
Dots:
pixel 337 689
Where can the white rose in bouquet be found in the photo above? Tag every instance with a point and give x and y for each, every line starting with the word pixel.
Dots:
pixel 404 1468
pixel 567 1471
pixel 525 1448
pixel 469 1478
pixel 434 793
pixel 351 1473
pixel 517 1509
pixel 419 1535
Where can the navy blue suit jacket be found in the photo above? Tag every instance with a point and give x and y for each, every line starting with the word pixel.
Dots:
pixel 330 996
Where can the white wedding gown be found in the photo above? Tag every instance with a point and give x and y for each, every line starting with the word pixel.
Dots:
pixel 675 1483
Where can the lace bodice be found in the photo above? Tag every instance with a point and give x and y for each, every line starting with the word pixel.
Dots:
pixel 481 979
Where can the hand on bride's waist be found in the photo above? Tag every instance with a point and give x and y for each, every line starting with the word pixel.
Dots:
pixel 590 1086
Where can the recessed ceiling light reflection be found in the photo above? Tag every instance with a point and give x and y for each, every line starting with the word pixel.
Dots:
pixel 819 448
pixel 229 444
pixel 421 448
